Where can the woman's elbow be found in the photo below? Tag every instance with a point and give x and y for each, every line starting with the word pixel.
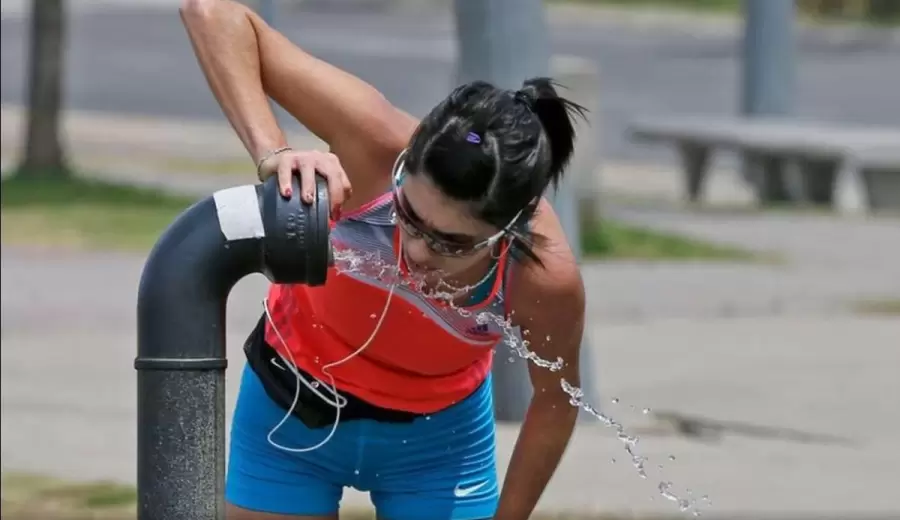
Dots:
pixel 196 8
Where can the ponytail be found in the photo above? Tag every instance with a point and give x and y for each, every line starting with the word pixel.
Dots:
pixel 556 115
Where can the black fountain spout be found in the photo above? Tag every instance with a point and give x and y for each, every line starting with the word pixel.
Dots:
pixel 181 356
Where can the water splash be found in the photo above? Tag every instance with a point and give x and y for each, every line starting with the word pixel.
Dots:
pixel 434 286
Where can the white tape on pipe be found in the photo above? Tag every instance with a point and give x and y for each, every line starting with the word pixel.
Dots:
pixel 238 210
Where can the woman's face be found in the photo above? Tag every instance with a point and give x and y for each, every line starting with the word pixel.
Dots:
pixel 439 233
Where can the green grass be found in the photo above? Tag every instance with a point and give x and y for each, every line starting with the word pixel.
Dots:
pixel 34 497
pixel 696 5
pixel 734 7
pixel 90 214
pixel 880 307
pixel 29 496
pixel 614 240
pixel 84 213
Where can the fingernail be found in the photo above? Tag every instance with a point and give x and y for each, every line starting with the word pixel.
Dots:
pixel 288 192
pixel 308 196
pixel 336 214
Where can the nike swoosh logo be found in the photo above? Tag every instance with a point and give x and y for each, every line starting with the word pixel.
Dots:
pixel 277 364
pixel 461 492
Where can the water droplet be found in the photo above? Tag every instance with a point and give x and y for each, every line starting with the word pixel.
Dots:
pixel 671 457
pixel 373 316
pixel 645 411
pixel 371 264
pixel 612 460
pixel 356 472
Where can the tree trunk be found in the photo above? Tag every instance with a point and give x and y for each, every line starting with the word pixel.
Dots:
pixel 44 154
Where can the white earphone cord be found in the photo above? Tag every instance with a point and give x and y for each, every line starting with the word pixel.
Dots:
pixel 339 401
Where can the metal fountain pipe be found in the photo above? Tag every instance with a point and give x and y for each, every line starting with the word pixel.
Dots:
pixel 181 356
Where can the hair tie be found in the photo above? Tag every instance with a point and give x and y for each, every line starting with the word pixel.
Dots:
pixel 473 138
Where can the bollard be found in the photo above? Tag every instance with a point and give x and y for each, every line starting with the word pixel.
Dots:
pixel 181 356
pixel 581 79
pixel 577 201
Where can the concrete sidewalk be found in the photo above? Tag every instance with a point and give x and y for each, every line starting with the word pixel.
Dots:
pixel 794 398
pixel 796 422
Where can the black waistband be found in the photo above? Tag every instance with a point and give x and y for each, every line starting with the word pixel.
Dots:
pixel 281 385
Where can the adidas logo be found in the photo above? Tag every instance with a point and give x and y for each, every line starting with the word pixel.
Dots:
pixel 478 330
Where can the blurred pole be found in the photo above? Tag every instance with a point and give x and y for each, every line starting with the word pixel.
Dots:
pixel 267 11
pixel 768 79
pixel 502 41
pixel 505 42
pixel 769 58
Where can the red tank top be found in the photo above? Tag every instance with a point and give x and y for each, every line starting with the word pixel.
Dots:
pixel 425 357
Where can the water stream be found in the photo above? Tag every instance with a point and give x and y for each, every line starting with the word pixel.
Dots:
pixel 371 265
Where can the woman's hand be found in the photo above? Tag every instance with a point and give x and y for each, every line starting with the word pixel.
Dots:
pixel 308 164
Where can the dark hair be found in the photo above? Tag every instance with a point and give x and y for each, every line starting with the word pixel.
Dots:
pixel 497 149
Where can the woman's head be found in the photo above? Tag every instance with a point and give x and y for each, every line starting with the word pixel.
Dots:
pixel 476 168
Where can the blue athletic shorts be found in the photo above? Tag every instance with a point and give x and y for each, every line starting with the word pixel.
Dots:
pixel 439 467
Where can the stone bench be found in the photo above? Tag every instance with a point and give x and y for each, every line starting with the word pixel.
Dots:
pixel 818 153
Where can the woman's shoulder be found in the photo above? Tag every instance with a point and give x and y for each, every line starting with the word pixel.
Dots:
pixel 556 279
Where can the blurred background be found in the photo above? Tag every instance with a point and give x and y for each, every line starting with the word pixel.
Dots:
pixel 735 200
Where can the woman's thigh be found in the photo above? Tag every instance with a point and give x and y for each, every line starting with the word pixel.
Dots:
pixel 274 477
pixel 442 467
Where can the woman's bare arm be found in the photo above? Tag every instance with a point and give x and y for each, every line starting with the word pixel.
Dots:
pixel 549 305
pixel 245 61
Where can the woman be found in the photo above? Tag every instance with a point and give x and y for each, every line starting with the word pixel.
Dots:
pixel 376 382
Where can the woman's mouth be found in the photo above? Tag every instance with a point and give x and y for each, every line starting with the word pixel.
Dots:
pixel 419 267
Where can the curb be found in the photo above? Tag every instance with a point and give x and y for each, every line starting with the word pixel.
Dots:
pixel 198 157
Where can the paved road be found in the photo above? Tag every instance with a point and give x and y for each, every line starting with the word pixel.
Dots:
pixel 138 60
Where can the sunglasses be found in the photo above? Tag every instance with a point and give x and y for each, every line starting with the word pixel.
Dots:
pixel 444 244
